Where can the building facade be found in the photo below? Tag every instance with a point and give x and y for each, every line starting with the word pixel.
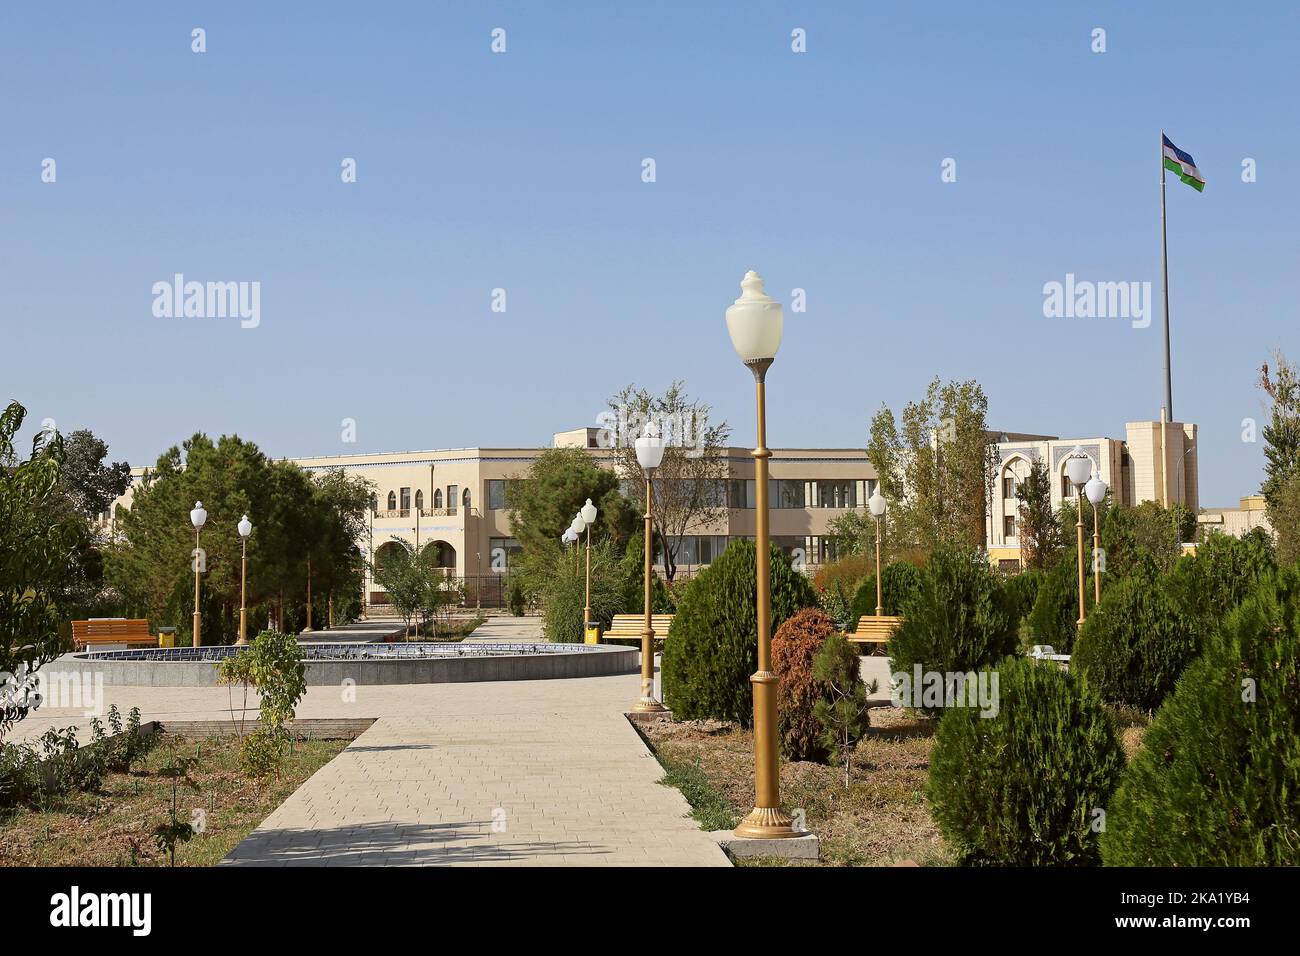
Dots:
pixel 1153 462
pixel 455 500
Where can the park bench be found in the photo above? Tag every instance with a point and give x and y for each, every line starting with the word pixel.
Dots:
pixel 628 627
pixel 1046 652
pixel 875 630
pixel 111 630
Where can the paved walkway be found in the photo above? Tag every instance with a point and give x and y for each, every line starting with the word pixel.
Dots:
pixel 363 632
pixel 508 630
pixel 524 773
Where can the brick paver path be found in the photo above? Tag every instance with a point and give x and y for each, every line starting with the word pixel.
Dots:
pixel 524 772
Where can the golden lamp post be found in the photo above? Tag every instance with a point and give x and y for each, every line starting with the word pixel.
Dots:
pixel 754 322
pixel 588 515
pixel 877 505
pixel 576 529
pixel 197 518
pixel 1096 490
pixel 308 627
pixel 649 455
pixel 245 529
pixel 1077 468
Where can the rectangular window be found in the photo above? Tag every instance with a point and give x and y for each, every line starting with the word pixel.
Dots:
pixel 453 498
pixel 405 499
pixel 740 493
pixel 837 494
pixel 1067 489
pixel 496 494
pixel 1008 487
pixel 1009 526
pixel 795 547
pixel 785 493
pixel 501 554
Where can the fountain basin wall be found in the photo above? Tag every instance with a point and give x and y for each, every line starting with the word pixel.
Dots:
pixel 364 664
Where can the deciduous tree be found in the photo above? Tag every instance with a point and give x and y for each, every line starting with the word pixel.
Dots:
pixel 37 558
pixel 1281 487
pixel 937 470
pixel 689 489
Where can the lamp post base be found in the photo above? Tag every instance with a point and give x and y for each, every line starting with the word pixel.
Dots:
pixel 198 623
pixel 767 823
pixel 243 626
pixel 648 705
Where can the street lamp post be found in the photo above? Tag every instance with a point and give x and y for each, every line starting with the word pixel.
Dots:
pixel 245 529
pixel 308 627
pixel 1096 489
pixel 877 505
pixel 568 538
pixel 649 455
pixel 754 322
pixel 1078 467
pixel 365 582
pixel 197 518
pixel 588 515
pixel 576 529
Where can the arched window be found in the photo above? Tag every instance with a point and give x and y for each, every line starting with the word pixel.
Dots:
pixel 419 500
pixel 465 499
pixel 437 500
pixel 392 501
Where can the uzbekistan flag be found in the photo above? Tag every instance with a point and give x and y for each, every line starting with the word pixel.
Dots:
pixel 1182 164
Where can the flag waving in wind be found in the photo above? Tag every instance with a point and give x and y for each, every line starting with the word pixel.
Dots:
pixel 1182 163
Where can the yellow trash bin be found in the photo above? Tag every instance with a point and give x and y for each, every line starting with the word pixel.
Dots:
pixel 593 633
pixel 166 637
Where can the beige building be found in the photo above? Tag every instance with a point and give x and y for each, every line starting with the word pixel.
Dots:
pixel 1239 521
pixel 455 498
pixel 1152 463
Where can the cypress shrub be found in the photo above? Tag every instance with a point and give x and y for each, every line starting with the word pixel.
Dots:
pixel 1217 779
pixel 1020 788
pixel 1023 588
pixel 631 573
pixel 794 646
pixel 898 583
pixel 1054 618
pixel 1222 573
pixel 713 649
pixel 959 620
pixel 1136 643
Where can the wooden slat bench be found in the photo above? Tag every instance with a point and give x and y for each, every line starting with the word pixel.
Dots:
pixel 875 631
pixel 115 630
pixel 628 627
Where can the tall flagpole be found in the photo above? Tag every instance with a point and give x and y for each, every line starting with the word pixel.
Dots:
pixel 1164 271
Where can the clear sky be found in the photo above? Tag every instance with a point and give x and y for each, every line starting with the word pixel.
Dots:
pixel 523 171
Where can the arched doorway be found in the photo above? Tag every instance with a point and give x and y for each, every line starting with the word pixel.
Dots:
pixel 443 555
pixel 381 552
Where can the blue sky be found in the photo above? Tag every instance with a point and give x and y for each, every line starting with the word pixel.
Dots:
pixel 522 171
